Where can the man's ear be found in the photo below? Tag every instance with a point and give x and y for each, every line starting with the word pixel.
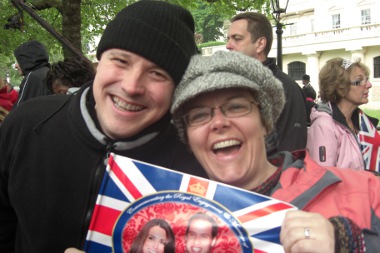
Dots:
pixel 261 44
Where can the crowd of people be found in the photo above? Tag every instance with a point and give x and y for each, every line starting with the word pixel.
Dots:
pixel 41 78
pixel 233 117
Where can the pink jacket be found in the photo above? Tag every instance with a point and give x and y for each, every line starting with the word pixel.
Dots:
pixel 330 142
pixel 331 192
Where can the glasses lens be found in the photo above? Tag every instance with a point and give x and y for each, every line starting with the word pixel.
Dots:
pixel 198 116
pixel 237 108
pixel 360 82
pixel 232 109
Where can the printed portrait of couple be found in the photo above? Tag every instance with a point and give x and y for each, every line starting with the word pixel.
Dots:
pixel 177 227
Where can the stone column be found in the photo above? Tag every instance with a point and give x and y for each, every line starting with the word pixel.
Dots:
pixel 312 69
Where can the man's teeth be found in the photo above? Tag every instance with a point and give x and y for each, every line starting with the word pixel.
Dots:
pixel 226 144
pixel 125 106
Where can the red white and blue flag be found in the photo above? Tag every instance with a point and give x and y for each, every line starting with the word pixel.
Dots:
pixel 133 191
pixel 370 143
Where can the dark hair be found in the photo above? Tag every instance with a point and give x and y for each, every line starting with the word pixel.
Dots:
pixel 203 216
pixel 306 77
pixel 258 26
pixel 72 72
pixel 138 242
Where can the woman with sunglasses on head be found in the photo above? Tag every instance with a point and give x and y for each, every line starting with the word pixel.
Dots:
pixel 338 126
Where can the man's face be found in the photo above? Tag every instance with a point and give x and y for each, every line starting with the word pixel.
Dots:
pixel 239 39
pixel 131 93
pixel 17 67
pixel 199 238
pixel 59 87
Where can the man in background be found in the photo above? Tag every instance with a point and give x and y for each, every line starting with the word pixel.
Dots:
pixel 307 89
pixel 251 33
pixel 310 96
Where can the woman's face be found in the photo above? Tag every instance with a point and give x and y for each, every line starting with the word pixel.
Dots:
pixel 231 150
pixel 359 88
pixel 155 241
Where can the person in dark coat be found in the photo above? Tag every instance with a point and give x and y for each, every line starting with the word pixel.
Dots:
pixel 32 63
pixel 310 95
pixel 307 89
pixel 54 149
pixel 251 33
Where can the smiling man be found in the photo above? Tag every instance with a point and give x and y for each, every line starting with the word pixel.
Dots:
pixel 54 149
pixel 201 233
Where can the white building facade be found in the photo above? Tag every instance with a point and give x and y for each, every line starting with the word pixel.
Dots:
pixel 318 30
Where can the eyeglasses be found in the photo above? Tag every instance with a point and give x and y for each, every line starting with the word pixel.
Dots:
pixel 360 82
pixel 232 109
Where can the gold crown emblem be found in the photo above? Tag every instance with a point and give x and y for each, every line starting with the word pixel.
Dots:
pixel 197 188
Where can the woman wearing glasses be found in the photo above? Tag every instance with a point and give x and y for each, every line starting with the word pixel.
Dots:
pixel 223 108
pixel 341 134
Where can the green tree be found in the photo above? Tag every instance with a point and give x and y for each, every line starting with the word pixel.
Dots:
pixel 82 21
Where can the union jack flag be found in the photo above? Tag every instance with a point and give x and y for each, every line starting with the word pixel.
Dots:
pixel 251 222
pixel 369 142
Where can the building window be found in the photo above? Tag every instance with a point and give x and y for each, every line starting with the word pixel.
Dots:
pixel 366 16
pixel 335 21
pixel 293 29
pixel 296 70
pixel 376 67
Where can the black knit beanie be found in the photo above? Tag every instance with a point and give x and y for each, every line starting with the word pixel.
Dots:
pixel 158 31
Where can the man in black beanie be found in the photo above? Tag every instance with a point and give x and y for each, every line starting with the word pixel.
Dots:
pixel 54 149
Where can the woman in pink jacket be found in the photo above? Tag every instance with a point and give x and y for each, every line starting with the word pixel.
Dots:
pixel 337 135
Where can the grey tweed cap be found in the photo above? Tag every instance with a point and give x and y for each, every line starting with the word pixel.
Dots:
pixel 228 70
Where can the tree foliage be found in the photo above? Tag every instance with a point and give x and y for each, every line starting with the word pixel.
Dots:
pixel 82 21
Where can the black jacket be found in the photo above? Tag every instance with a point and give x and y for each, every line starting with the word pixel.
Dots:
pixel 291 126
pixel 52 162
pixel 309 91
pixel 33 60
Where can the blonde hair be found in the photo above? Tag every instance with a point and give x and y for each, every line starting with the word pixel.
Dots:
pixel 334 78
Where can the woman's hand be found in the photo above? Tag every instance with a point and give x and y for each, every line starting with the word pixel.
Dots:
pixel 73 250
pixel 307 232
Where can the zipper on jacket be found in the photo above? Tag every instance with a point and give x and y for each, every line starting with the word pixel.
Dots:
pixel 97 180
pixel 356 138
